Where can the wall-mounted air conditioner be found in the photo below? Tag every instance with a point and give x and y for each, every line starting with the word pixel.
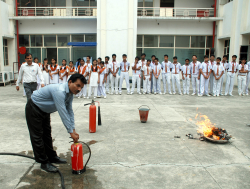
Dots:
pixel 4 77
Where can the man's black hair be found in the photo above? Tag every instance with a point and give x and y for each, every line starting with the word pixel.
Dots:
pixel 143 54
pixel 157 59
pixel 113 55
pixel 187 59
pixel 45 59
pixel 35 58
pixel 124 55
pixel 27 54
pixel 153 56
pixel 212 55
pixel 100 58
pixel 137 57
pixel 107 57
pixel 65 60
pixel 89 57
pixel 102 62
pixel 225 56
pixel 194 55
pixel 205 56
pixel 235 56
pixel 77 76
pixel 244 58
pixel 166 55
pixel 175 57
pixel 148 60
pixel 219 58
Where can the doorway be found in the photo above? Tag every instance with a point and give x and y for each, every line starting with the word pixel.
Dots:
pixel 167 3
pixel 51 53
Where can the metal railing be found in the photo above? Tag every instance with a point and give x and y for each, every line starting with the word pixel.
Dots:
pixel 57 11
pixel 175 12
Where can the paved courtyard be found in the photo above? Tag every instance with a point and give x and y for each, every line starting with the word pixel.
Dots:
pixel 128 154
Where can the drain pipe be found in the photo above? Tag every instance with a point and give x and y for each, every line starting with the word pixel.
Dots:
pixel 214 23
pixel 17 38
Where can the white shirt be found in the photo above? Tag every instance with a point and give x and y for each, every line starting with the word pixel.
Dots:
pixel 147 70
pixel 230 66
pixel 206 67
pixel 195 68
pixel 224 66
pixel 29 73
pixel 122 66
pixel 88 64
pixel 246 67
pixel 142 63
pixel 157 69
pixel 104 72
pixel 177 66
pixel 165 66
pixel 217 72
pixel 107 66
pixel 212 63
pixel 136 72
pixel 186 69
pixel 114 66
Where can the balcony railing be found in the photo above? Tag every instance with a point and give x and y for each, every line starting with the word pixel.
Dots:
pixel 57 11
pixel 175 12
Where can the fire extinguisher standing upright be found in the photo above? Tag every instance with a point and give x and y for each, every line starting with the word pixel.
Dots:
pixel 92 116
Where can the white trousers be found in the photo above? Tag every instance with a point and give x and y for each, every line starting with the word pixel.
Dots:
pixel 204 85
pixel 146 84
pixel 186 84
pixel 242 84
pixel 107 83
pixel 195 83
pixel 222 82
pixel 217 86
pixel 91 89
pixel 247 83
pixel 101 87
pixel 176 79
pixel 230 83
pixel 211 79
pixel 114 83
pixel 157 84
pixel 166 79
pixel 136 79
pixel 126 76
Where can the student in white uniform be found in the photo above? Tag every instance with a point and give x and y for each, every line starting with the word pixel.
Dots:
pixel 63 72
pixel 102 76
pixel 218 71
pixel 41 67
pixel 136 71
pixel 107 78
pixel 224 64
pixel 93 79
pixel 205 70
pixel 152 66
pixel 175 69
pixel 45 72
pixel 186 76
pixel 242 76
pixel 231 72
pixel 165 65
pixel 156 79
pixel 143 62
pixel 83 70
pixel 248 77
pixel 53 72
pixel 114 68
pixel 88 63
pixel 124 66
pixel 212 62
pixel 147 76
pixel 195 73
pixel 71 69
pixel 99 61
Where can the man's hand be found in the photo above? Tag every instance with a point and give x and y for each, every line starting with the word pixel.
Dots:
pixel 42 85
pixel 144 78
pixel 17 88
pixel 74 136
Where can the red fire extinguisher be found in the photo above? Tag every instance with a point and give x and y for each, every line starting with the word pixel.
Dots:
pixel 92 116
pixel 77 158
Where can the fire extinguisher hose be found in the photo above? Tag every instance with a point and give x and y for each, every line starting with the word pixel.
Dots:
pixel 89 154
pixel 21 155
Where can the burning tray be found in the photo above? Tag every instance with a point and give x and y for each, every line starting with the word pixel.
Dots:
pixel 216 140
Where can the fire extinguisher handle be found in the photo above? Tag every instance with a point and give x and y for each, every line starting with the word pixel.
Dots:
pixel 144 105
pixel 87 104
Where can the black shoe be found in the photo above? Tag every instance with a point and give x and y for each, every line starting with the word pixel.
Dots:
pixel 58 160
pixel 48 167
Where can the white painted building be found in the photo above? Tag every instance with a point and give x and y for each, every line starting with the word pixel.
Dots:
pixel 175 27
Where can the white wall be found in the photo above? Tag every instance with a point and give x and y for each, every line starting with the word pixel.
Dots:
pixel 174 27
pixel 61 26
pixel 194 3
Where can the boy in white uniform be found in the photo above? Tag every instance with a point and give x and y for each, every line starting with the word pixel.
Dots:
pixel 175 69
pixel 248 78
pixel 114 68
pixel 218 71
pixel 143 62
pixel 166 74
pixel 242 76
pixel 102 76
pixel 186 75
pixel 136 67
pixel 107 78
pixel 84 70
pixel 224 64
pixel 212 62
pixel 147 76
pixel 231 71
pixel 195 72
pixel 205 70
pixel 156 79
pixel 152 66
pixel 124 66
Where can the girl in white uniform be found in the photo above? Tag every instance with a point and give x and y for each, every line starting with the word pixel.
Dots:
pixel 38 79
pixel 71 69
pixel 63 73
pixel 45 72
pixel 102 76
pixel 147 76
pixel 53 72
pixel 84 70
pixel 93 79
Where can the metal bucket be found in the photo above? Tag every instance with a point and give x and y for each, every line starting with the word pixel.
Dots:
pixel 143 112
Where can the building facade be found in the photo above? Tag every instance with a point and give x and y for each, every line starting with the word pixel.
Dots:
pixel 174 27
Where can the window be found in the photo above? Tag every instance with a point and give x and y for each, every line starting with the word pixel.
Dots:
pixel 36 40
pixel 63 40
pixel 50 40
pixel 209 41
pixel 150 41
pixel 85 3
pixel 227 47
pixel 159 53
pixel 58 3
pixel 24 40
pixel 36 52
pixel 63 53
pixel 182 41
pixel 77 38
pixel 5 52
pixel 166 41
pixel 182 54
pixel 139 40
pixel 198 41
pixel 90 38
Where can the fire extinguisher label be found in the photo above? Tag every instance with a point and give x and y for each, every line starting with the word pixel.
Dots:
pixel 71 154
